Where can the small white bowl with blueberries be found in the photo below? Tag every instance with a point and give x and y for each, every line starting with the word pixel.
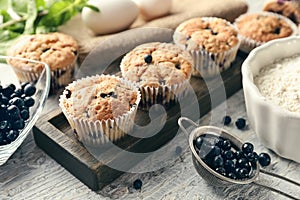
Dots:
pixel 21 103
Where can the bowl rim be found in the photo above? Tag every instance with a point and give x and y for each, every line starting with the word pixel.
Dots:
pixel 248 77
pixel 44 96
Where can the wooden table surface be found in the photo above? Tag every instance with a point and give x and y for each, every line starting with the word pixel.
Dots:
pixel 32 174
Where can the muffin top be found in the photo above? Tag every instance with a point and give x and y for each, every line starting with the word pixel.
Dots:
pixel 156 64
pixel 287 8
pixel 58 50
pixel 263 27
pixel 206 33
pixel 98 98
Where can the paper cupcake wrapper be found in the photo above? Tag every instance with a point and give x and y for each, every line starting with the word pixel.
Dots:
pixel 248 44
pixel 95 133
pixel 163 95
pixel 208 64
pixel 59 77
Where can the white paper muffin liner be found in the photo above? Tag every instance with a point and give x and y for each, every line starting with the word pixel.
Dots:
pixel 164 95
pixel 95 133
pixel 248 44
pixel 209 64
pixel 59 77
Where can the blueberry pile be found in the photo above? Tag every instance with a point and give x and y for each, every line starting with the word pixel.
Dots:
pixel 227 159
pixel 14 110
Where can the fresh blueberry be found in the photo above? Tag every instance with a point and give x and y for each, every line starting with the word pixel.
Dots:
pixel 148 58
pixel 229 165
pixel 13 112
pixel 253 157
pixel 247 148
pixel 178 150
pixel 264 159
pixel 3 125
pixel 232 176
pixel 12 135
pixel 3 139
pixel 4 100
pixel 17 101
pixel 218 161
pixel 19 124
pixel 28 101
pixel 215 151
pixel 29 89
pixel 68 93
pixel 226 120
pixel 198 142
pixel 25 114
pixel 228 154
pixel 241 162
pixel 8 90
pixel 23 85
pixel 137 184
pixel 220 170
pixel 240 123
pixel 226 145
pixel 238 154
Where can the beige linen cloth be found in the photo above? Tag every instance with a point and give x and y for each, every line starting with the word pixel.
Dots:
pixel 181 11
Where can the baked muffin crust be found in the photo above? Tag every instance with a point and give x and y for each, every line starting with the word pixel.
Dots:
pixel 263 28
pixel 169 65
pixel 215 35
pixel 58 50
pixel 99 98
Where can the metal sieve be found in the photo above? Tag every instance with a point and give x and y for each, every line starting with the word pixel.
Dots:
pixel 214 177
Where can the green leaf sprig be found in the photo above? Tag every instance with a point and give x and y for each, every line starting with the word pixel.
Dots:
pixel 35 16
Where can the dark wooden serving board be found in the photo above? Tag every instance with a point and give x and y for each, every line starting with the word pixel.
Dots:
pixel 53 134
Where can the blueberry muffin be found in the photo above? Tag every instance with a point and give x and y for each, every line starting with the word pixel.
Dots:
pixel 258 28
pixel 58 50
pixel 213 43
pixel 287 8
pixel 100 108
pixel 161 70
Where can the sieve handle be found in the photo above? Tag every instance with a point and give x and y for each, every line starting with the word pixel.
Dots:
pixel 191 122
pixel 262 184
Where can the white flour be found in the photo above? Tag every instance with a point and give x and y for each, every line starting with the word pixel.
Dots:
pixel 280 83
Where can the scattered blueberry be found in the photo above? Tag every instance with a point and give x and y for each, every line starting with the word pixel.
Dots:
pixel 137 184
pixel 264 159
pixel 178 150
pixel 148 58
pixel 68 93
pixel 240 123
pixel 226 120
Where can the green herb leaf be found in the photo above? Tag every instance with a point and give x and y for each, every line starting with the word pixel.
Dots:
pixel 31 16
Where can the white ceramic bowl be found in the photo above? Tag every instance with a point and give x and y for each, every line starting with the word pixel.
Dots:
pixel 277 128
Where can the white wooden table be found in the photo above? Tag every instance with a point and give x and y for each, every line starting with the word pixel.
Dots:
pixel 32 174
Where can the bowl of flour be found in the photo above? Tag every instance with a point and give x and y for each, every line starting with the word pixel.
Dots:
pixel 271 85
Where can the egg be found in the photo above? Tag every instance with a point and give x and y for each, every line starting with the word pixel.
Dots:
pixel 114 15
pixel 151 9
